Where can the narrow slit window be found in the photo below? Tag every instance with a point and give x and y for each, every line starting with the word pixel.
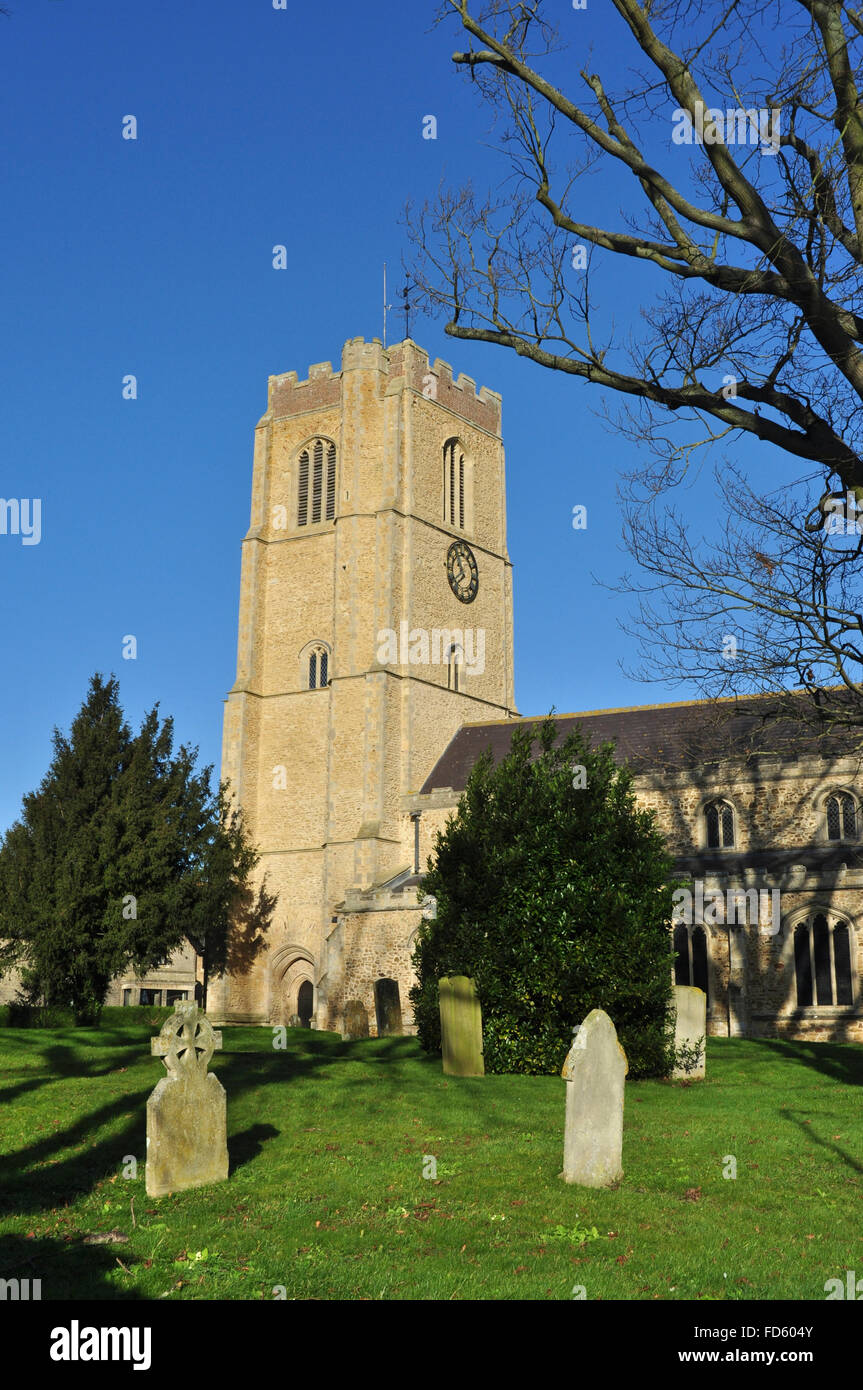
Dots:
pixel 834 831
pixel 849 818
pixel 712 814
pixel 699 960
pixel 681 956
pixel 842 964
pixel 803 966
pixel 823 973
pixel 719 818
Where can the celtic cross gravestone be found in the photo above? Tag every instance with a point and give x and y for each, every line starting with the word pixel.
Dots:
pixel 187 1144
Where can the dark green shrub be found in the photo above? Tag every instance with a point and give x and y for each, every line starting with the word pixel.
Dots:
pixel 556 900
pixel 21 1015
pixel 153 1015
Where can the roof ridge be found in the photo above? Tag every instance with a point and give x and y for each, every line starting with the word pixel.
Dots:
pixel 631 709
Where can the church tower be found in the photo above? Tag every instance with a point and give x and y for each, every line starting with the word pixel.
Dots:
pixel 375 620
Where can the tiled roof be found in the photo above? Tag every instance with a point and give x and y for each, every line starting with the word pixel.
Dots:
pixel 654 737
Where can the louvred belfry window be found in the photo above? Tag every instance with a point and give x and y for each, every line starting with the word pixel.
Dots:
pixel 316 491
pixel 455 485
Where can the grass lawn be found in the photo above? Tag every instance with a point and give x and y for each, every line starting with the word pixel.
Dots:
pixel 327 1196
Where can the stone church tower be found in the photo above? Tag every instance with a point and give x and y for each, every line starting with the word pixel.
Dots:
pixel 375 621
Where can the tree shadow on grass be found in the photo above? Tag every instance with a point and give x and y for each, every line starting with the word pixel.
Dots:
pixel 808 1133
pixel 842 1062
pixel 65 1270
pixel 32 1179
pixel 246 1145
pixel 59 1182
pixel 62 1061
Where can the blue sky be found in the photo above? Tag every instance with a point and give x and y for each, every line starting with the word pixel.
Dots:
pixel 154 257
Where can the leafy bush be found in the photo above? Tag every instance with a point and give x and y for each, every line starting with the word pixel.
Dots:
pixel 554 895
pixel 153 1015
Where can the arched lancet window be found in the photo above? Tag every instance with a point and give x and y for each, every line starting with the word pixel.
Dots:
pixel 822 962
pixel 690 957
pixel 316 667
pixel 719 821
pixel 841 812
pixel 457 483
pixel 454 661
pixel 316 496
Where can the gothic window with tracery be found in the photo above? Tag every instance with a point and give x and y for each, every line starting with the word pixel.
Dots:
pixel 822 962
pixel 690 957
pixel 841 816
pixel 719 819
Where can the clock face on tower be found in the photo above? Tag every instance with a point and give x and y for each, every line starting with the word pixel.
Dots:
pixel 462 572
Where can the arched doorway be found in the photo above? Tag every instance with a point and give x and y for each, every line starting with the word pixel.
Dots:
pixel 306 1003
pixel 292 968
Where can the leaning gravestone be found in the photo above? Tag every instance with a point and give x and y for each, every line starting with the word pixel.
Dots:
pixel 594 1071
pixel 187 1144
pixel 460 1027
pixel 690 1027
pixel 356 1019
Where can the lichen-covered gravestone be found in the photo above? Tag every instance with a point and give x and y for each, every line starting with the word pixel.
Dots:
pixel 187 1142
pixel 690 1027
pixel 594 1073
pixel 460 1027
pixel 356 1019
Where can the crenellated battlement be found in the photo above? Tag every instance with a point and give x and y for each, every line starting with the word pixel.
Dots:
pixel 405 365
